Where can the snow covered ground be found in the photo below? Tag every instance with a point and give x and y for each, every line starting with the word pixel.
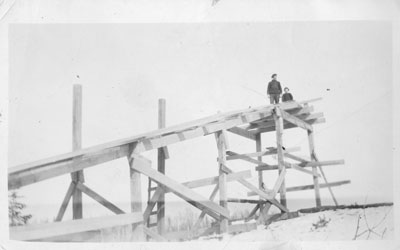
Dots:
pixel 342 225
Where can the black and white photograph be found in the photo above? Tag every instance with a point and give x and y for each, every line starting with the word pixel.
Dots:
pixel 199 129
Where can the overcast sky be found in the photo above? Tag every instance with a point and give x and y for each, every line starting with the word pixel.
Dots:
pixel 201 69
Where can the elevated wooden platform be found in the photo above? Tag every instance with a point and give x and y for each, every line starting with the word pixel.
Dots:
pixel 248 123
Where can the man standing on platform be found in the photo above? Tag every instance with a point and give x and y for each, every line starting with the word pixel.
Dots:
pixel 274 90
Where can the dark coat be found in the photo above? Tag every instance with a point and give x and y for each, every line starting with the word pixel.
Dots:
pixel 274 87
pixel 287 97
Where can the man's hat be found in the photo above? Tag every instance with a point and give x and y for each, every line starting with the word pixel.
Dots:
pixel 273 75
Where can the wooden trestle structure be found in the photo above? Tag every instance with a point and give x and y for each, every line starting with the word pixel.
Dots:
pixel 248 123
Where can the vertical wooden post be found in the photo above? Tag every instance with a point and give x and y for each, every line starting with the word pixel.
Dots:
pixel 260 173
pixel 161 168
pixel 279 132
pixel 136 193
pixel 223 200
pixel 314 168
pixel 77 211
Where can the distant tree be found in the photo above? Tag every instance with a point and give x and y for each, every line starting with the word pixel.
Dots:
pixel 15 207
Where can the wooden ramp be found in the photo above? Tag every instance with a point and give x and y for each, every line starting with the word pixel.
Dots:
pixel 249 124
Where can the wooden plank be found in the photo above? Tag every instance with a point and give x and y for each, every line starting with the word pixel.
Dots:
pixel 23 178
pixel 250 186
pixel 261 193
pixel 154 235
pixel 240 228
pixel 65 202
pixel 99 199
pixel 77 209
pixel 236 200
pixel 270 123
pixel 246 158
pixel 295 157
pixel 307 187
pixel 329 188
pixel 243 132
pixel 303 165
pixel 263 213
pixel 283 216
pixel 152 202
pixel 301 111
pixel 39 231
pixel 221 145
pixel 281 165
pixel 252 213
pixel 180 190
pixel 279 181
pixel 298 168
pixel 305 111
pixel 29 173
pixel 311 144
pixel 260 153
pixel 322 185
pixel 161 168
pixel 214 180
pixel 260 173
pixel 296 121
pixel 289 125
pixel 153 134
pixel 136 161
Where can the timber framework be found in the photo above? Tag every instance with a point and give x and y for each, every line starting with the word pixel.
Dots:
pixel 149 224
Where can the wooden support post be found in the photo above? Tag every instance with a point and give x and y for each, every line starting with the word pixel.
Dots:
pixel 260 173
pixel 161 168
pixel 314 168
pixel 77 177
pixel 221 144
pixel 279 132
pixel 136 191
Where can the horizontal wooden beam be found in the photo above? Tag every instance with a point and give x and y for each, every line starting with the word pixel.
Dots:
pixel 107 204
pixel 246 158
pixel 303 117
pixel 180 190
pixel 236 200
pixel 307 187
pixel 301 169
pixel 287 125
pixel 322 185
pixel 214 180
pixel 295 157
pixel 235 156
pixel 40 231
pixel 243 132
pixel 296 121
pixel 304 164
pixel 297 112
